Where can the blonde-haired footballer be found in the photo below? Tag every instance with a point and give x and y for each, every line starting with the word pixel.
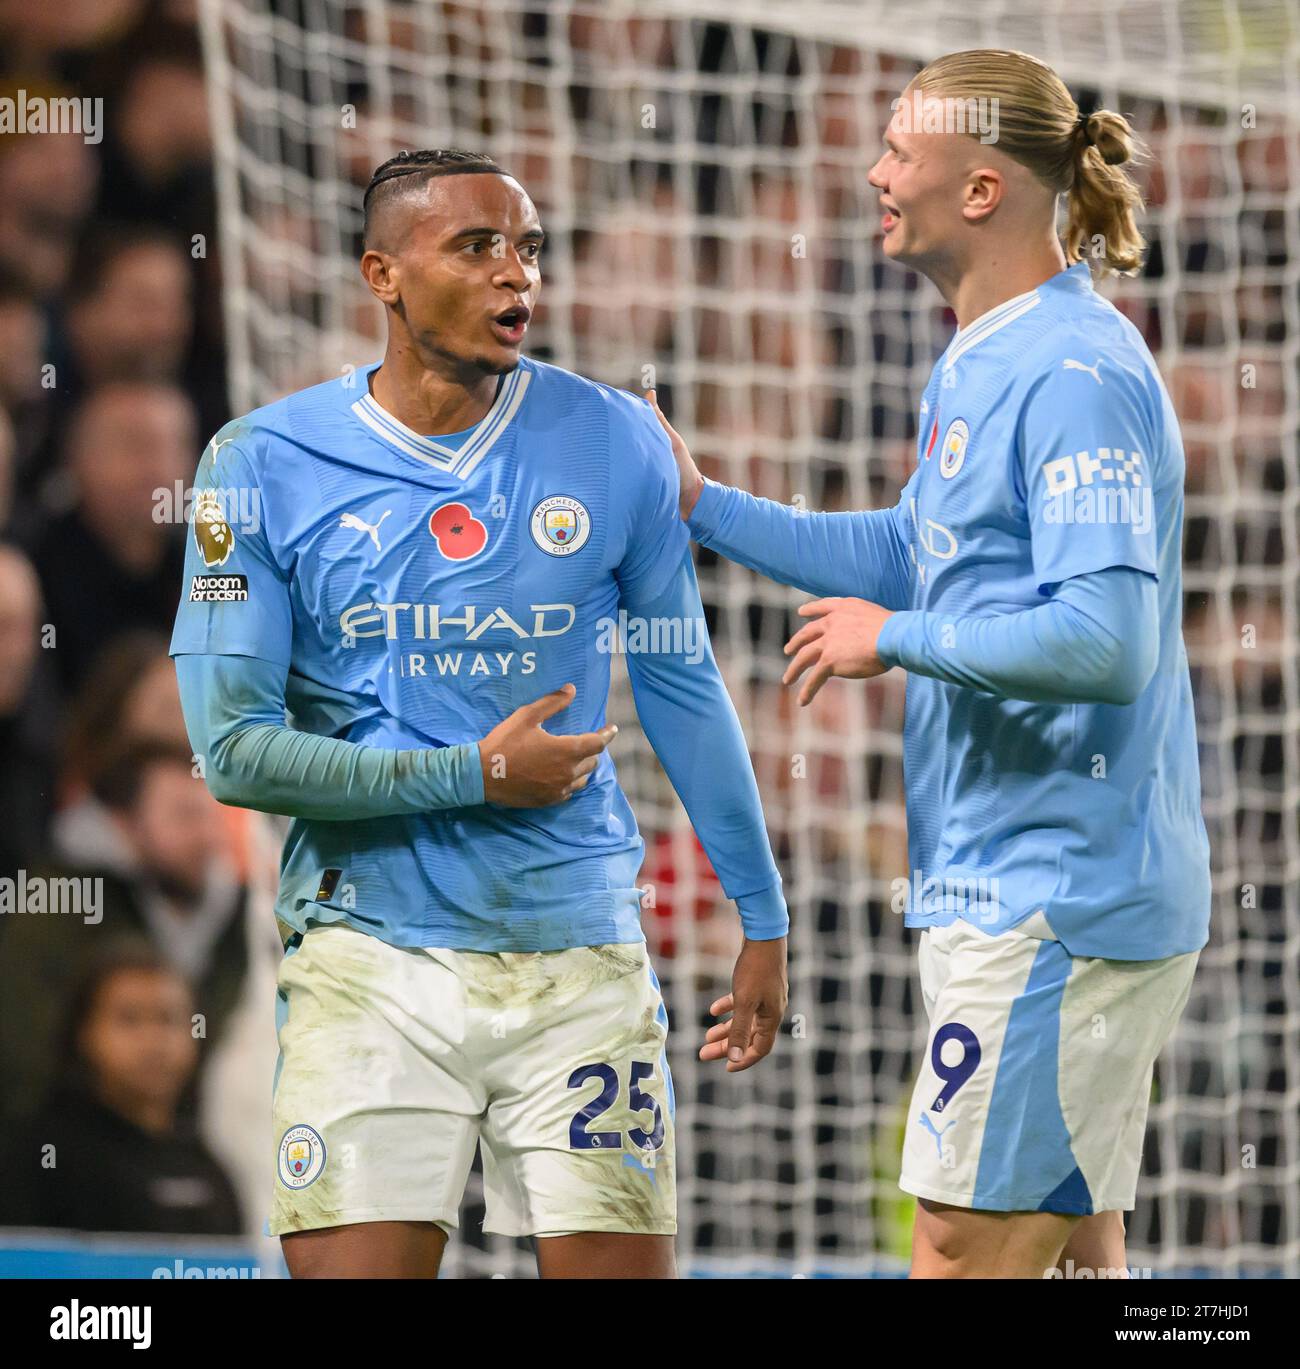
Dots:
pixel 1029 581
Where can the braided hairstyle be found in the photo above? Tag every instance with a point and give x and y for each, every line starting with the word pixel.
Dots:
pixel 413 170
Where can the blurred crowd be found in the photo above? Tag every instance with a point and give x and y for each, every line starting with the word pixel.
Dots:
pixel 138 1045
pixel 118 1092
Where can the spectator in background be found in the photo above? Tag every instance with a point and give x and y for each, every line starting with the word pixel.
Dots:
pixel 22 345
pixel 45 39
pixel 111 1151
pixel 158 150
pixel 157 159
pixel 47 187
pixel 22 339
pixel 114 560
pixel 28 721
pixel 127 316
pixel 176 888
pixel 8 459
pixel 130 311
pixel 129 697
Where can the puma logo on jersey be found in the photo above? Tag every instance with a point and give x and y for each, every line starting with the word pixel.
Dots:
pixel 359 524
pixel 214 447
pixel 1069 364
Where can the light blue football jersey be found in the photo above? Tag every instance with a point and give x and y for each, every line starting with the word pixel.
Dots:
pixel 421 589
pixel 1048 448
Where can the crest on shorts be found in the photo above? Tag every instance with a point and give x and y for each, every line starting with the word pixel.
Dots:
pixel 302 1156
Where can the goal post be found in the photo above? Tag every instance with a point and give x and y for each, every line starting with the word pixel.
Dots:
pixel 700 170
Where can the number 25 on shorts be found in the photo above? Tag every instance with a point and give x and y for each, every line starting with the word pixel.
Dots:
pixel 637 1100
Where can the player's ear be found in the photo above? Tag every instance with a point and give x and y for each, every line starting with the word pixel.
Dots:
pixel 985 187
pixel 381 274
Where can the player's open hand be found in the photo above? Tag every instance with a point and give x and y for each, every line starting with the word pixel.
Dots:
pixel 689 480
pixel 759 992
pixel 526 767
pixel 841 640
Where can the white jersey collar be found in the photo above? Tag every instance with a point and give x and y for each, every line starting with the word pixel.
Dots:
pixel 458 461
pixel 989 323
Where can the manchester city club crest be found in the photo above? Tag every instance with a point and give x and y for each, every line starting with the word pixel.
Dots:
pixel 302 1157
pixel 560 525
pixel 953 451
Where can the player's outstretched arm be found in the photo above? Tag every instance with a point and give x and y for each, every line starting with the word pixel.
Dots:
pixel 235 714
pixel 1096 640
pixel 822 553
pixel 689 720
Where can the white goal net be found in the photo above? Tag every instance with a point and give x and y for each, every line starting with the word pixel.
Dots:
pixel 701 174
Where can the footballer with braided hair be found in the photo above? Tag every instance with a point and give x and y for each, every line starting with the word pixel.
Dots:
pixel 444 537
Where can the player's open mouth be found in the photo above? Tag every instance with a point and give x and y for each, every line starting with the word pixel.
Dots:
pixel 889 218
pixel 511 325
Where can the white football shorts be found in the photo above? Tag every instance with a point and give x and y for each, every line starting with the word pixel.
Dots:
pixel 395 1063
pixel 1033 1091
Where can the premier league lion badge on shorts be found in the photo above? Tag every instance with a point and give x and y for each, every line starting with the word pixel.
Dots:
pixel 302 1157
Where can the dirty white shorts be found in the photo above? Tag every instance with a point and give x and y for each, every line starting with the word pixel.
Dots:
pixel 1033 1090
pixel 395 1063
